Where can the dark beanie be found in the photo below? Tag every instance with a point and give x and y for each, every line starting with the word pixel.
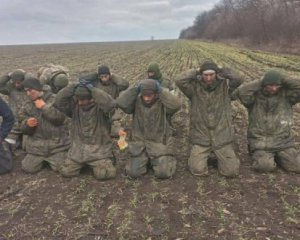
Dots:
pixel 33 83
pixel 103 70
pixel 209 65
pixel 82 92
pixel 272 77
pixel 148 85
pixel 18 75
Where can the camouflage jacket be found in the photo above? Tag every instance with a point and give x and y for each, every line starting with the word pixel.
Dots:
pixel 210 113
pixel 151 127
pixel 117 85
pixel 16 97
pixel 47 73
pixel 51 135
pixel 90 129
pixel 270 117
pixel 167 83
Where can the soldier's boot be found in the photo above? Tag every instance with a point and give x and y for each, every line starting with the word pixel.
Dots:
pixel 103 169
pixel 263 161
pixel 164 167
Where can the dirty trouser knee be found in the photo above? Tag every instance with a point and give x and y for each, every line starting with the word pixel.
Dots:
pixel 103 169
pixel 289 159
pixel 263 161
pixel 5 158
pixel 228 163
pixel 197 161
pixel 32 163
pixel 56 160
pixel 70 168
pixel 164 166
pixel 137 165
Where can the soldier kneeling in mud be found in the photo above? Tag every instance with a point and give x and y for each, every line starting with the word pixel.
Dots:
pixel 47 134
pixel 151 143
pixel 113 84
pixel 211 127
pixel 269 102
pixel 6 126
pixel 88 107
pixel 153 72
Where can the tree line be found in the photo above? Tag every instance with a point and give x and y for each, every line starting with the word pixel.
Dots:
pixel 253 21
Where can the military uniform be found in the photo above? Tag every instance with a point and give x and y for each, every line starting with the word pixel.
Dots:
pixel 90 133
pixel 17 98
pixel 270 124
pixel 164 82
pixel 49 140
pixel 151 140
pixel 55 76
pixel 113 87
pixel 211 127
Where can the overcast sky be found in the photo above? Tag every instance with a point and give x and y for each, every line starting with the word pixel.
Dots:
pixel 55 21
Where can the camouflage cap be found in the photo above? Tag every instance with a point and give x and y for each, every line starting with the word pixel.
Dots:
pixel 272 77
pixel 153 67
pixel 18 75
pixel 60 81
pixel 33 83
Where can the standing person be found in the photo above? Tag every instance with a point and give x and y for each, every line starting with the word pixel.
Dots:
pixel 88 107
pixel 11 85
pixel 47 134
pixel 56 76
pixel 6 126
pixel 269 102
pixel 153 72
pixel 211 127
pixel 151 143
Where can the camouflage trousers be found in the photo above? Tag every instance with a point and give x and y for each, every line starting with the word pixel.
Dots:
pixel 103 169
pixel 34 163
pixel 163 166
pixel 5 158
pixel 228 163
pixel 288 159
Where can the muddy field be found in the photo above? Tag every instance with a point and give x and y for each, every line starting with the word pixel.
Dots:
pixel 252 206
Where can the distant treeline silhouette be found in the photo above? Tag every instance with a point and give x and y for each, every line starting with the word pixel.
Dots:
pixel 252 21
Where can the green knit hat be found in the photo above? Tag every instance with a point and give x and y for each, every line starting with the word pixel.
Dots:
pixel 33 83
pixel 18 75
pixel 153 67
pixel 209 65
pixel 272 77
pixel 60 81
pixel 82 93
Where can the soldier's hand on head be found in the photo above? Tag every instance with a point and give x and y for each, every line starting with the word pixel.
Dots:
pixel 86 83
pixel 158 87
pixel 39 103
pixel 32 122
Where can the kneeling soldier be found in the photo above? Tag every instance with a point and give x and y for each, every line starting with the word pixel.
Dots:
pixel 152 108
pixel 88 107
pixel 48 138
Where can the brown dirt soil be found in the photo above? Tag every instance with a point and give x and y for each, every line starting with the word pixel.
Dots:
pixel 47 206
